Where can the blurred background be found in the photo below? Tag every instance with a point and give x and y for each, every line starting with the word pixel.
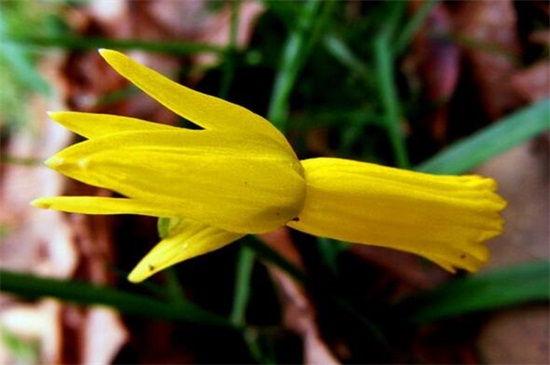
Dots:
pixel 443 87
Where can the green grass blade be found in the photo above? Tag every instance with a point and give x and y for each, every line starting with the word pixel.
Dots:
pixel 389 98
pixel 413 24
pixel 495 289
pixel 84 293
pixel 79 43
pixel 245 267
pixel 499 137
pixel 19 62
pixel 228 65
pixel 293 59
pixel 343 54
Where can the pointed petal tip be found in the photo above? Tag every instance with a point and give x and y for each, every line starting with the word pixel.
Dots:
pixel 136 276
pixel 54 162
pixel 56 115
pixel 44 203
pixel 142 271
pixel 108 54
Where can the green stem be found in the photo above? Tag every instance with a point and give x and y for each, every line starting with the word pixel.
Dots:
pixel 343 54
pixel 73 42
pixel 173 286
pixel 292 61
pixel 277 114
pixel 228 66
pixel 412 25
pixel 390 100
pixel 244 270
pixel 395 13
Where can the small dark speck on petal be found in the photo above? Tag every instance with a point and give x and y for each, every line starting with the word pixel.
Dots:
pixel 463 256
pixel 151 267
pixel 296 219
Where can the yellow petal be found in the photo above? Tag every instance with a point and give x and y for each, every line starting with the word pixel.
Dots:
pixel 186 240
pixel 91 125
pixel 100 205
pixel 204 110
pixel 246 186
pixel 443 218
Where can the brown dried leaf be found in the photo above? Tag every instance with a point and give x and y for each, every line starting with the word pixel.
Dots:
pixel 49 243
pixel 517 336
pixel 525 187
pixel 540 37
pixel 520 335
pixel 111 15
pixel 533 84
pixel 411 271
pixel 40 322
pixel 299 312
pixel 318 142
pixel 174 20
pixel 102 349
pixel 249 11
pixel 491 27
pixel 436 63
pixel 45 251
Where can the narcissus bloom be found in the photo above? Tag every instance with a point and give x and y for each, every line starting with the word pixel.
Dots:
pixel 239 175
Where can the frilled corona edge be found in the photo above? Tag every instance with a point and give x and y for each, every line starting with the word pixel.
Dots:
pixel 443 218
pixel 239 175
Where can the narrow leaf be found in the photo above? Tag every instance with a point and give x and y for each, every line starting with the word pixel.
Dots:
pixel 501 136
pixel 495 289
pixel 79 292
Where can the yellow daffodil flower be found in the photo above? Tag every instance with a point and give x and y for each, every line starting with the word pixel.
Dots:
pixel 239 175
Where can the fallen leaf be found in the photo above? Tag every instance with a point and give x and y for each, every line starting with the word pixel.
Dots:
pixel 520 335
pixel 408 272
pixel 533 84
pixel 540 37
pixel 49 243
pixel 299 312
pixel 525 187
pixel 489 29
pixel 435 62
pixel 102 349
pixel 40 322
pixel 517 336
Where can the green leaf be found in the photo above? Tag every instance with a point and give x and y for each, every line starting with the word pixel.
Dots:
pixel 499 137
pixel 389 97
pixel 81 43
pixel 414 22
pixel 343 53
pixel 492 290
pixel 16 59
pixel 293 59
pixel 83 293
pixel 244 270
pixel 24 351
